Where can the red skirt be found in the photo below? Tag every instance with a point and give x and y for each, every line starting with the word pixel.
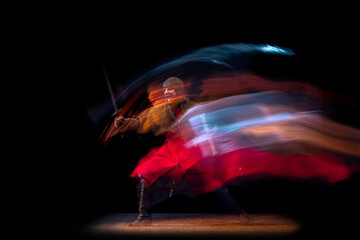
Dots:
pixel 174 160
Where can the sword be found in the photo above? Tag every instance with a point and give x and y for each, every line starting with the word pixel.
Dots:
pixel 111 92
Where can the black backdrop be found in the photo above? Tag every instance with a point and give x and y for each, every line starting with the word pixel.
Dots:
pixel 89 180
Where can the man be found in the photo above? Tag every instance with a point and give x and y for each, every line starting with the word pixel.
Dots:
pixel 157 119
pixel 164 167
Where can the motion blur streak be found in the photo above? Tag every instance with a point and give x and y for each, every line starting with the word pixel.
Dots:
pixel 228 57
pixel 312 130
pixel 218 87
pixel 242 125
pixel 307 96
pixel 266 124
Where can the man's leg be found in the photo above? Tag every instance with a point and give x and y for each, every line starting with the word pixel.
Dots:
pixel 230 203
pixel 144 204
pixel 148 196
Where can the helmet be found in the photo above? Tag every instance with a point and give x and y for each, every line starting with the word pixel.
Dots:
pixel 173 82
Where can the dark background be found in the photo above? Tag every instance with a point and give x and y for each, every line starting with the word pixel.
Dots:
pixel 86 180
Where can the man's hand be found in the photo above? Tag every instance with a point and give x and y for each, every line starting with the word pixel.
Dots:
pixel 118 120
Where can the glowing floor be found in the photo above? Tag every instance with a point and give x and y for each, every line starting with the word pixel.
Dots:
pixel 209 225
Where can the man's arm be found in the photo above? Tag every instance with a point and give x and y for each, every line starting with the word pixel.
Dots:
pixel 139 122
pixel 128 123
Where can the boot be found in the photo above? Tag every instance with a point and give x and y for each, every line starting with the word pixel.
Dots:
pixel 144 217
pixel 244 219
pixel 141 220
